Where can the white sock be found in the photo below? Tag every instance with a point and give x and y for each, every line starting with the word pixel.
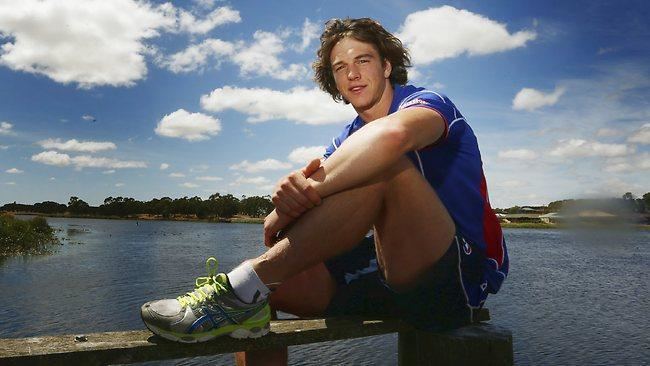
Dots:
pixel 246 284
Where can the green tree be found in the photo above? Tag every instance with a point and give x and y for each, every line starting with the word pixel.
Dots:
pixel 256 206
pixel 223 206
pixel 78 206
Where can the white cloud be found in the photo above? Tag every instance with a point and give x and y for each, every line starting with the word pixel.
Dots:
pixel 14 171
pixel 189 185
pixel 90 43
pixel 88 117
pixel 641 136
pixel 530 99
pixel 74 145
pixel 52 158
pixel 301 105
pixel 250 180
pixel 459 31
pixel 608 132
pixel 616 186
pixel 630 164
pixel 164 166
pixel 84 161
pixel 604 50
pixel 10 183
pixel 199 168
pixel 310 31
pixel 119 184
pixel 197 56
pixel 205 4
pixel 512 183
pixel 304 154
pixel 261 58
pixel 177 175
pixel 258 166
pixel 209 179
pixel 518 154
pixel 188 126
pixel 619 167
pixel 4 147
pixel 224 15
pixel 5 128
pixel 111 171
pixel 582 148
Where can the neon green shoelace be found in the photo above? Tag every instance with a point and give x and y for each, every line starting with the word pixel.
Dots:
pixel 205 287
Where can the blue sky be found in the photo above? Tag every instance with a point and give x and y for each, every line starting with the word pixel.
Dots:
pixel 188 98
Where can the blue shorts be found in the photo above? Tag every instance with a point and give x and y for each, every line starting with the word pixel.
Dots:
pixel 448 295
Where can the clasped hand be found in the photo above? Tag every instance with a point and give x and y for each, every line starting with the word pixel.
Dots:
pixel 292 196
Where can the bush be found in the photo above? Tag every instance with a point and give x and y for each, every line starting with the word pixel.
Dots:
pixel 20 237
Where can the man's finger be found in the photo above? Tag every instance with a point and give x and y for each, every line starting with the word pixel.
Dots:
pixel 311 168
pixel 292 198
pixel 295 190
pixel 282 207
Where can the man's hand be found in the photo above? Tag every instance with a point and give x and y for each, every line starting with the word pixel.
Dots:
pixel 273 223
pixel 293 194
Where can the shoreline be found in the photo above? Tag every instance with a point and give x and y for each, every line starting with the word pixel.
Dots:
pixel 241 219
pixel 237 219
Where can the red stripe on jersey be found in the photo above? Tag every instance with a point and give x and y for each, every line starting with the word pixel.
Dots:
pixel 492 233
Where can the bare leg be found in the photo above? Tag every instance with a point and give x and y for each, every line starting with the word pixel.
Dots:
pixel 306 294
pixel 413 230
pixel 334 227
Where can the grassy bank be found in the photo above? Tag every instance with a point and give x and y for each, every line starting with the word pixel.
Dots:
pixel 529 225
pixel 25 237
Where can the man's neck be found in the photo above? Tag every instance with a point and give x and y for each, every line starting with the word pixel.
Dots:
pixel 380 109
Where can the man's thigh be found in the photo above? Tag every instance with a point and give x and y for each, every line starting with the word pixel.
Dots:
pixel 305 294
pixel 414 229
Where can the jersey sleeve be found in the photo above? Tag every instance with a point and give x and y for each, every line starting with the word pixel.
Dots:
pixel 335 143
pixel 435 101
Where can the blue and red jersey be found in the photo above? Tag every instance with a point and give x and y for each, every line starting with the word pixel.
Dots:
pixel 453 167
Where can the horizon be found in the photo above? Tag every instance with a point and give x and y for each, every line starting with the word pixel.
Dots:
pixel 145 99
pixel 263 196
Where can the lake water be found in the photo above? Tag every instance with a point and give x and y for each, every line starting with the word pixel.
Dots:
pixel 570 299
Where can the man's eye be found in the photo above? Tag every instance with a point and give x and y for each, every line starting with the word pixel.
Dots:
pixel 339 68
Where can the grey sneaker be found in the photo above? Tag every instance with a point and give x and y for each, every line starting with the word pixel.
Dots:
pixel 211 310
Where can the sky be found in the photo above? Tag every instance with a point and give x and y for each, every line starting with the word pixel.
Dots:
pixel 148 99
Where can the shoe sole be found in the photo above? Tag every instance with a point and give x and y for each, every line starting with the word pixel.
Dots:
pixel 255 330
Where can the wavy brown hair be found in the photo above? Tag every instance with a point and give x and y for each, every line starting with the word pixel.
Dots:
pixel 364 30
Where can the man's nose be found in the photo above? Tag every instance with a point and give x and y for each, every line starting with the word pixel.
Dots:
pixel 353 72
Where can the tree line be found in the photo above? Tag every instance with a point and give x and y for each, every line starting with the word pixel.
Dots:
pixel 217 206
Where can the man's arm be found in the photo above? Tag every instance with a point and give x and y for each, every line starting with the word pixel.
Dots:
pixel 363 155
pixel 375 147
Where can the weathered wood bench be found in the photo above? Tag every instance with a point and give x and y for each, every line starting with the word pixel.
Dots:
pixel 479 343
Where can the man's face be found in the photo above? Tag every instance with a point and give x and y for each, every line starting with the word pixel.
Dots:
pixel 360 74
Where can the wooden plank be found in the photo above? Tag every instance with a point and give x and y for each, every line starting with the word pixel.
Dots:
pixel 478 344
pixel 137 346
pixel 142 345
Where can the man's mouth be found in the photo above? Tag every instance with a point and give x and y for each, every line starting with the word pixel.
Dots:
pixel 356 89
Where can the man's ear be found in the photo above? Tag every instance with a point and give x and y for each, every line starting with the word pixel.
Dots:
pixel 388 68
